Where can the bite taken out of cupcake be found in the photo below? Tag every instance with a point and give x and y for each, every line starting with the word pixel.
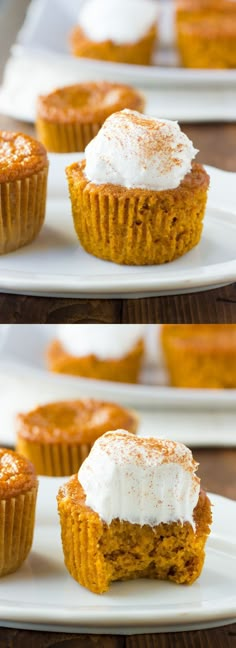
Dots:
pixel 134 510
pixel 138 197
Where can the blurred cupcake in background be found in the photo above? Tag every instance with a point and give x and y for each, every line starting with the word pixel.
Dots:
pixel 105 352
pixel 70 116
pixel 200 355
pixel 116 30
pixel 206 33
pixel 58 436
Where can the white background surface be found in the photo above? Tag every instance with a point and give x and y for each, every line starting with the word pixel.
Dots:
pixel 42 591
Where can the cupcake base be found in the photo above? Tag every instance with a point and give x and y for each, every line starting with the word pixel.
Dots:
pixel 96 553
pixel 64 137
pixel 16 530
pixel 22 210
pixel 54 459
pixel 138 226
pixel 139 53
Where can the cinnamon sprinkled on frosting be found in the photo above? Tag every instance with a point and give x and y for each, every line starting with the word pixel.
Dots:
pixel 134 150
pixel 142 480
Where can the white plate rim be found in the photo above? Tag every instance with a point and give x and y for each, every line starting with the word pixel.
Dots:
pixel 103 285
pixel 151 74
pixel 146 396
pixel 166 74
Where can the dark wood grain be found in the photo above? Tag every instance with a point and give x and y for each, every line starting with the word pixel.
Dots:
pixel 30 639
pixel 224 637
pixel 217 145
pixel 19 309
pixel 217 470
pixel 217 638
pixel 206 307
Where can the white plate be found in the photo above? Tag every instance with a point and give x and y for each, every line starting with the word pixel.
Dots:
pixel 42 592
pixel 56 265
pixel 29 74
pixel 197 417
pixel 41 61
pixel 46 30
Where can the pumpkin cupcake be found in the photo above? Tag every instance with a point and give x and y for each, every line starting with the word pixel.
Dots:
pixel 18 492
pixel 114 30
pixel 68 118
pixel 135 510
pixel 206 33
pixel 137 198
pixel 200 355
pixel 104 352
pixel 23 184
pixel 57 437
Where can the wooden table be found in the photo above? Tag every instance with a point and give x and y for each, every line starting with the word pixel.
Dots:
pixel 218 474
pixel 217 145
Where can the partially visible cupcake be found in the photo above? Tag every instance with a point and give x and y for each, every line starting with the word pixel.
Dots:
pixel 135 510
pixel 138 198
pixel 100 351
pixel 200 355
pixel 18 493
pixel 206 33
pixel 57 437
pixel 69 117
pixel 23 186
pixel 116 30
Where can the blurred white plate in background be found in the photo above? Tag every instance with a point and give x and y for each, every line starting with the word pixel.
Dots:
pixel 41 61
pixel 196 417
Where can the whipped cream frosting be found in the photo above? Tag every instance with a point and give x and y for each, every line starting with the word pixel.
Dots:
pixel 102 340
pixel 134 150
pixel 121 21
pixel 140 480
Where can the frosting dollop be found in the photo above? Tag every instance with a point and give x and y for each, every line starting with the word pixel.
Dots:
pixel 109 341
pixel 117 20
pixel 134 150
pixel 140 480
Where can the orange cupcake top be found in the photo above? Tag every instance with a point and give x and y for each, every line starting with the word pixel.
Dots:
pixel 86 102
pixel 80 421
pixel 17 474
pixel 20 156
pixel 202 338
